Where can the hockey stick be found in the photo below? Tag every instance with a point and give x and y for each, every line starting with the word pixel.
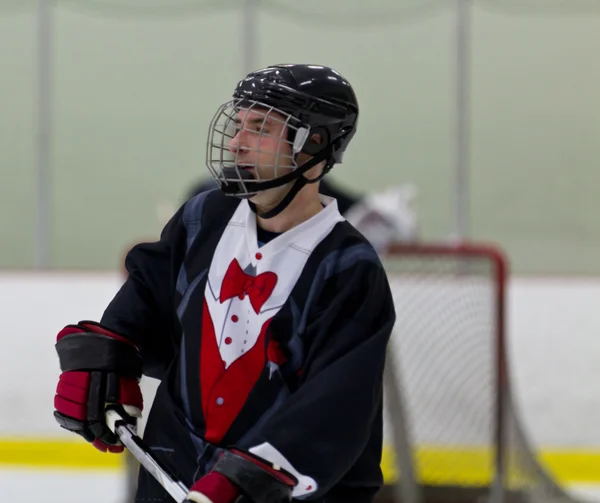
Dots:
pixel 129 438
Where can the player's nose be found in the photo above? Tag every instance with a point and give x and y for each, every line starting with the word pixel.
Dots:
pixel 234 144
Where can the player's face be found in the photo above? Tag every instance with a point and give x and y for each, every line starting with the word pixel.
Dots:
pixel 260 144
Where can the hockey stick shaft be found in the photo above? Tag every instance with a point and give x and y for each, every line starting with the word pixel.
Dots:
pixel 129 438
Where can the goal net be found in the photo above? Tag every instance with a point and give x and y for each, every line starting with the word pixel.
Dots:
pixel 451 430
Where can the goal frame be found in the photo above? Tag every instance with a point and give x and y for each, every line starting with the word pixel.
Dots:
pixel 499 268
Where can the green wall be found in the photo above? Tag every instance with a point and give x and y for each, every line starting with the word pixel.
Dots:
pixel 133 96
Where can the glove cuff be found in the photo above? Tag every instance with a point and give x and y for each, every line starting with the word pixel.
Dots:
pixel 87 347
pixel 94 327
pixel 213 488
pixel 258 479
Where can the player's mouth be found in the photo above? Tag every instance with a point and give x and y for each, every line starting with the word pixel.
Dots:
pixel 249 168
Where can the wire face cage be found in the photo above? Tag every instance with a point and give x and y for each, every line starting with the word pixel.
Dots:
pixel 252 141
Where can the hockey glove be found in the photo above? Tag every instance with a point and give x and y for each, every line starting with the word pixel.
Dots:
pixel 98 367
pixel 242 476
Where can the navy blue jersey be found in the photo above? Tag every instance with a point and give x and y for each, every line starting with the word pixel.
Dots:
pixel 277 349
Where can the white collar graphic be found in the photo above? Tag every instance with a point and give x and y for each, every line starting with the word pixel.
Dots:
pixel 305 236
pixel 285 255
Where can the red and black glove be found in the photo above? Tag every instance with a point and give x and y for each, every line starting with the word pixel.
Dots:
pixel 241 476
pixel 98 367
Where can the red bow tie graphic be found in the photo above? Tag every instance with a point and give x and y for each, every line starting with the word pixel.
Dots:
pixel 237 283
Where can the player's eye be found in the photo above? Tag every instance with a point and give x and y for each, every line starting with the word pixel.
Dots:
pixel 233 128
pixel 268 127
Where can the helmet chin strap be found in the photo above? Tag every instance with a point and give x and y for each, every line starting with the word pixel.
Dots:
pixel 300 182
pixel 284 203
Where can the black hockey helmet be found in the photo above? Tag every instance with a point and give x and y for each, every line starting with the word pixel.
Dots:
pixel 309 100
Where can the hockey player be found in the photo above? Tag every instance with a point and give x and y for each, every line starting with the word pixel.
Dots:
pixel 264 313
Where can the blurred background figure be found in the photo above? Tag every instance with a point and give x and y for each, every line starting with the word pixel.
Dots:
pixel 479 125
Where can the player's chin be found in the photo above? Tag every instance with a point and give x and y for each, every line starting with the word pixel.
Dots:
pixel 258 199
pixel 269 198
pixel 263 198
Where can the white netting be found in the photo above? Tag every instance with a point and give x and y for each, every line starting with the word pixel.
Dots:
pixel 446 352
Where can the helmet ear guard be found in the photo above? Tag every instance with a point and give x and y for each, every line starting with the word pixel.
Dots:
pixel 312 147
pixel 300 139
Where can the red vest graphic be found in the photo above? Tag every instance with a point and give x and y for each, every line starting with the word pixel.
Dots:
pixel 225 386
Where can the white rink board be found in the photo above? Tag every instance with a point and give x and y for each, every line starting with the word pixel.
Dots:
pixel 553 339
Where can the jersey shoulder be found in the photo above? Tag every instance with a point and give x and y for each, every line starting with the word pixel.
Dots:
pixel 203 185
pixel 347 239
pixel 344 253
pixel 209 206
pixel 344 277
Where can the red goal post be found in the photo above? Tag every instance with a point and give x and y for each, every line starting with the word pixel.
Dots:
pixel 450 421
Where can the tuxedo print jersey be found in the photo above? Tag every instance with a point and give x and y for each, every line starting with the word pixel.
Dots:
pixel 277 348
